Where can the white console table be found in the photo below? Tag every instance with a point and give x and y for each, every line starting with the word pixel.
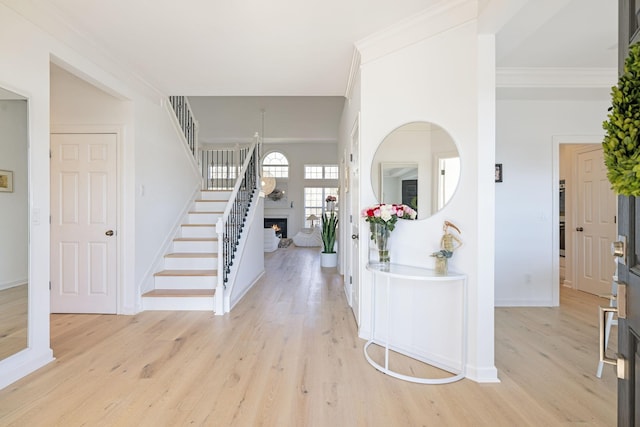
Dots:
pixel 422 274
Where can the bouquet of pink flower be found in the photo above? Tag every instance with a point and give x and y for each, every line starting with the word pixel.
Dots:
pixel 330 199
pixel 388 214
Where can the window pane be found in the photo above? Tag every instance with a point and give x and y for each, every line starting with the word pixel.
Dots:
pixel 331 172
pixel 276 164
pixel 315 202
pixel 312 172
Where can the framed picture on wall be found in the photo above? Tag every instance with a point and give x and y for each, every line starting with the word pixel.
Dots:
pixel 6 181
pixel 498 172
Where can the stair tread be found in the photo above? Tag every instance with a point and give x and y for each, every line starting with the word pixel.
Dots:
pixel 177 293
pixel 205 212
pixel 198 225
pixel 187 273
pixel 192 255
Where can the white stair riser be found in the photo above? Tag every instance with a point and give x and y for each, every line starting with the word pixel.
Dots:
pixel 172 263
pixel 201 206
pixel 209 231
pixel 186 282
pixel 182 303
pixel 202 218
pixel 215 195
pixel 195 246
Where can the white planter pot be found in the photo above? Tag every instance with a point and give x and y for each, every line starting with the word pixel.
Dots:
pixel 328 260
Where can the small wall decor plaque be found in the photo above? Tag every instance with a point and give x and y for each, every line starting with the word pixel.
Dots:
pixel 498 172
pixel 6 181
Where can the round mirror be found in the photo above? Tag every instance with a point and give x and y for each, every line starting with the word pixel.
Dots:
pixel 418 165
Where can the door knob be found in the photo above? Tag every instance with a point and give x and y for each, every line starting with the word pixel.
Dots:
pixel 109 233
pixel 579 229
pixel 355 236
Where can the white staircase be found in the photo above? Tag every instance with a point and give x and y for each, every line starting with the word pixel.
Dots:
pixel 190 274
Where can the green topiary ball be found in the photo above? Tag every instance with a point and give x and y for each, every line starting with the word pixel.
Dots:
pixel 620 145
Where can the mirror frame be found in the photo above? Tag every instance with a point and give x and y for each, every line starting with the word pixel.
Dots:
pixel 444 146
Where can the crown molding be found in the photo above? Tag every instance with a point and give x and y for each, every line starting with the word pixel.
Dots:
pixel 556 77
pixel 443 16
pixel 241 140
pixel 47 18
pixel 353 73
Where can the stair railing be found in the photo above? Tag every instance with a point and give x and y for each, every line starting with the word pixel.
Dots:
pixel 221 167
pixel 229 227
pixel 187 121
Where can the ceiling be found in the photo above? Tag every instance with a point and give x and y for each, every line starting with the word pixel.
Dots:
pixel 290 48
pixel 296 48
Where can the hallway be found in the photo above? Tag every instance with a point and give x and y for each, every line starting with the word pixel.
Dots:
pixel 289 355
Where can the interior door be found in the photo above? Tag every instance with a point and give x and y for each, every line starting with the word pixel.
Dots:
pixel 353 185
pixel 595 227
pixel 83 220
pixel 629 327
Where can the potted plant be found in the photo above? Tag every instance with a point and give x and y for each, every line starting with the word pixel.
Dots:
pixel 329 257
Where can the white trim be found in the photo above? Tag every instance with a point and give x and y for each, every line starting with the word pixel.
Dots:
pixel 354 70
pixel 443 16
pixel 289 140
pixel 147 282
pixel 47 18
pixel 121 218
pixel 556 77
pixel 13 284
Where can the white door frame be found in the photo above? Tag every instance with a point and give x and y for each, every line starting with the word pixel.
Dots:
pixel 555 216
pixel 119 132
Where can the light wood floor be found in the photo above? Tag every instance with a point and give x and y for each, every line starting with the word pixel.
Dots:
pixel 13 320
pixel 289 355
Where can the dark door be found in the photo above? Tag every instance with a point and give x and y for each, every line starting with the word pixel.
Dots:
pixel 628 273
pixel 629 326
pixel 410 193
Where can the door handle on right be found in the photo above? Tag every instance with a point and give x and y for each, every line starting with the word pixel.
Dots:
pixel 619 249
pixel 579 229
pixel 109 233
pixel 355 236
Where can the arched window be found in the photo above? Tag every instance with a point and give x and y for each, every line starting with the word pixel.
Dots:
pixel 276 165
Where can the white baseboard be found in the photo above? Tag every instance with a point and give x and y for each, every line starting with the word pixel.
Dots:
pixel 9 285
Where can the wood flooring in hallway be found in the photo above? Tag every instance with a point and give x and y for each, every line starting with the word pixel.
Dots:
pixel 289 355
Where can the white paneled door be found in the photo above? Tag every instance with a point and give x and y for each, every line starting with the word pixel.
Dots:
pixel 595 228
pixel 83 223
pixel 352 184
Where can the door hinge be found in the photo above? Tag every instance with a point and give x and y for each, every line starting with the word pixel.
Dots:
pixel 351 280
pixel 350 218
pixel 351 157
pixel 49 284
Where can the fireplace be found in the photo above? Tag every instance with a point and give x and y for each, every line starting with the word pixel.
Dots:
pixel 276 223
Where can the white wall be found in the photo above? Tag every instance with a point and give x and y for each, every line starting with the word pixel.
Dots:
pixel 14 206
pixel 298 155
pixel 525 220
pixel 436 80
pixel 150 155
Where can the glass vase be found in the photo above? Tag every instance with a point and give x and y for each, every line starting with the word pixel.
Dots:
pixel 380 238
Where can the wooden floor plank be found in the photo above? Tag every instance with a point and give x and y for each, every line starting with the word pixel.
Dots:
pixel 289 355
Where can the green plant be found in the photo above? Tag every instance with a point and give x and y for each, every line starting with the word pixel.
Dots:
pixel 620 144
pixel 329 226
